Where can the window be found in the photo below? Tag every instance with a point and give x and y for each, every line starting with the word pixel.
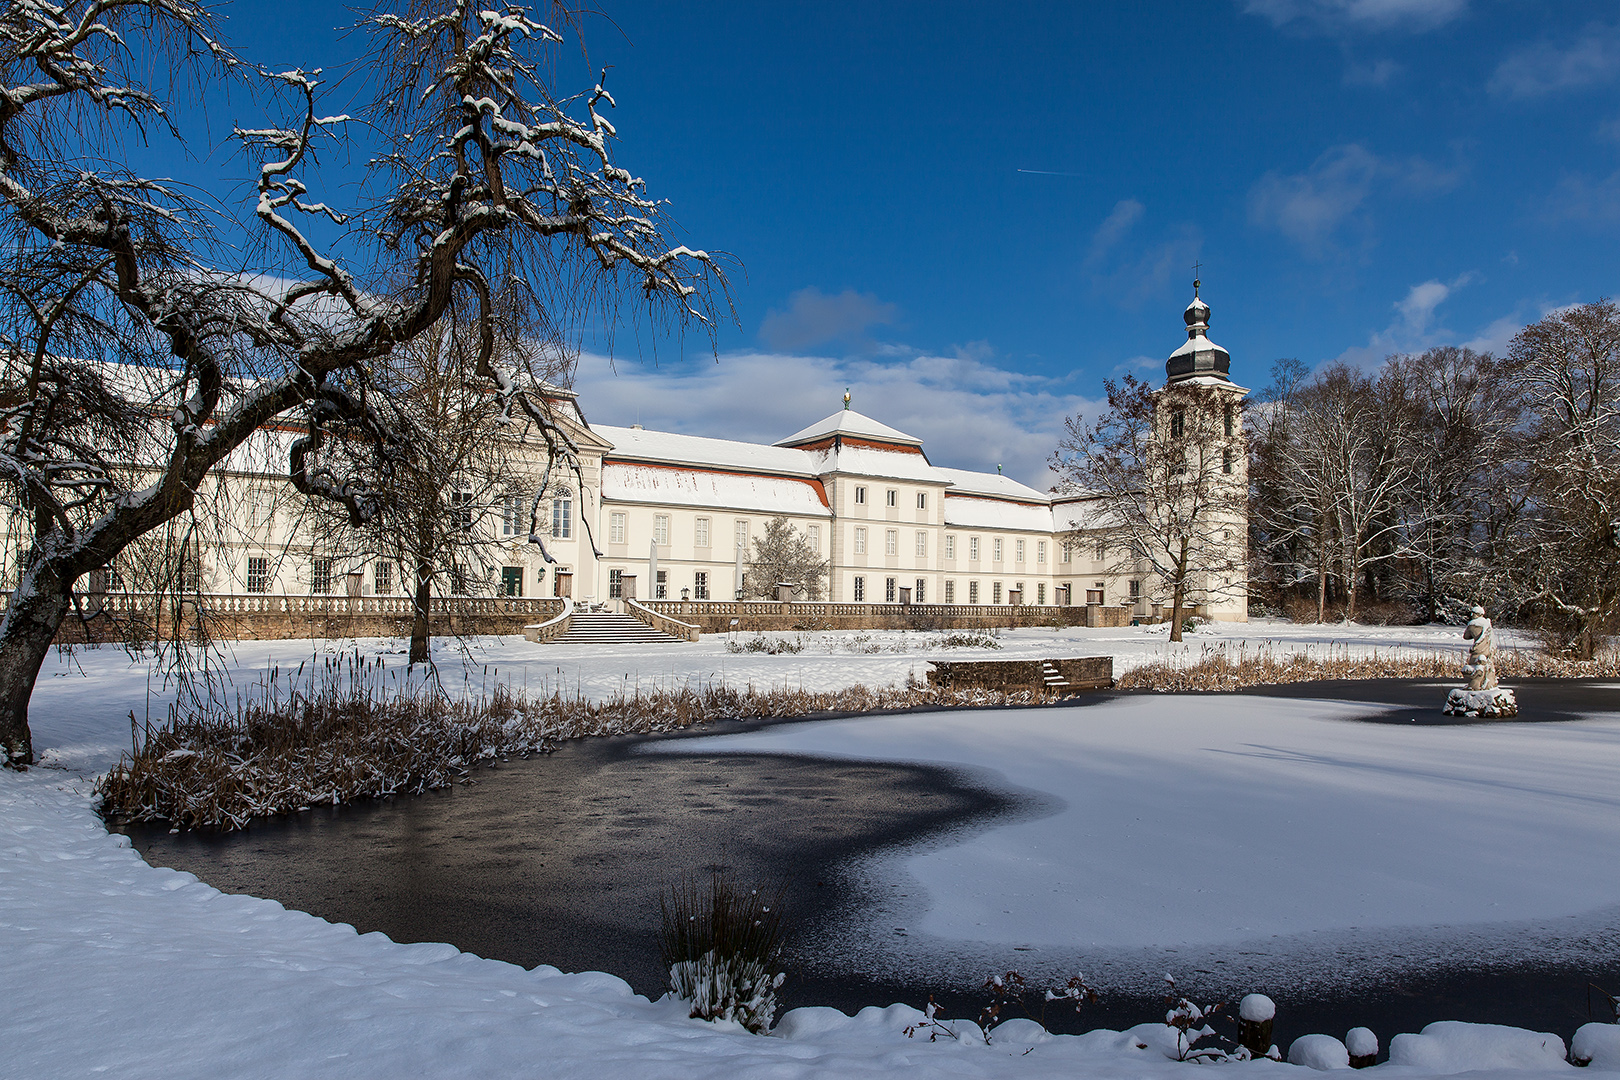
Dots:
pixel 615 528
pixel 740 530
pixel 950 545
pixel 888 590
pixel 458 580
pixel 258 575
pixel 1040 593
pixel 261 506
pixel 1019 550
pixel 382 578
pixel 320 575
pixel 812 537
pixel 461 509
pixel 997 556
pixel 562 516
pixel 1178 423
pixel 661 530
pixel 1068 552
pixel 922 544
pixel 891 542
pixel 995 593
pixel 860 496
pixel 1226 461
pixel 1040 551
pixel 700 533
pixel 661 586
pixel 700 585
pixel 615 584
pixel 973 592
pixel 511 581
pixel 950 592
pixel 973 549
pixel 922 500
pixel 1102 550
pixel 892 496
pixel 860 590
pixel 1136 591
pixel 1231 421
pixel 860 541
pixel 514 510
pixel 919 594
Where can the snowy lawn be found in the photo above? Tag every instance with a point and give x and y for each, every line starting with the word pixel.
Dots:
pixel 113 967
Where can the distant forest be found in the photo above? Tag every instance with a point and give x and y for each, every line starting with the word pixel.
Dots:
pixel 1445 479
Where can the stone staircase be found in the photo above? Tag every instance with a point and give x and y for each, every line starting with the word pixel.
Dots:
pixel 1053 677
pixel 603 628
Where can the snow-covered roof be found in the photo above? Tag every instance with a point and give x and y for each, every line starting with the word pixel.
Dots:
pixel 636 444
pixel 972 513
pixel 850 422
pixel 867 461
pixel 966 482
pixel 626 483
pixel 1085 512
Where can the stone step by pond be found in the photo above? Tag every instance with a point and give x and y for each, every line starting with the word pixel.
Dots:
pixel 1062 676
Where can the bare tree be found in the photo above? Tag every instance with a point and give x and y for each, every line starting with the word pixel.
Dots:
pixel 1567 553
pixel 487 190
pixel 1167 465
pixel 783 554
pixel 449 510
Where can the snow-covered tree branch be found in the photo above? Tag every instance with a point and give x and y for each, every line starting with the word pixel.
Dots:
pixel 142 347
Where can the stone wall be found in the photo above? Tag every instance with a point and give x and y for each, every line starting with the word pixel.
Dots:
pixel 117 617
pixel 716 616
pixel 1081 673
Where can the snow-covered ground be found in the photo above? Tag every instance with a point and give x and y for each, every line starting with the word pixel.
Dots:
pixel 113 967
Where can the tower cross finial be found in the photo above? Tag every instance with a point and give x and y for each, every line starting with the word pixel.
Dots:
pixel 1196 267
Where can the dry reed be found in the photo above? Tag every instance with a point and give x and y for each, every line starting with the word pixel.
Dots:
pixel 341 731
pixel 1225 668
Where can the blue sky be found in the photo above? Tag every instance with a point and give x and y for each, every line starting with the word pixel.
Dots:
pixel 974 213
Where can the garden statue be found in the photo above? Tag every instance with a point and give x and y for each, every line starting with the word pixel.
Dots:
pixel 1482 697
pixel 1480 668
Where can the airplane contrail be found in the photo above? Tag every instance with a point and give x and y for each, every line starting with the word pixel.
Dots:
pixel 1048 172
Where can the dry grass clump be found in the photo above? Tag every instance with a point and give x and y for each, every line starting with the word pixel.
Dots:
pixel 1225 668
pixel 723 947
pixel 345 729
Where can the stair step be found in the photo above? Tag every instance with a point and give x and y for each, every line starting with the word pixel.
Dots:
pixel 594 628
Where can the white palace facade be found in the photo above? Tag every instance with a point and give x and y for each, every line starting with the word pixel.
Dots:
pixel 668 514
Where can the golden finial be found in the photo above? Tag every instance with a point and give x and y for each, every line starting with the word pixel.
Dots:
pixel 846 397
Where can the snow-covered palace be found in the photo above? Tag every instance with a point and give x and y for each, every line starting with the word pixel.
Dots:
pixel 669 514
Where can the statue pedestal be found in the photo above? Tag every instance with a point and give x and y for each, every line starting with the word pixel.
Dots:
pixel 1491 704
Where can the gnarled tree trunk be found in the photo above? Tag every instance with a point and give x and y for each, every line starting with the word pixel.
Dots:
pixel 37 609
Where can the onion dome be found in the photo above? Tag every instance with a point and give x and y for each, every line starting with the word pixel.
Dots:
pixel 1199 356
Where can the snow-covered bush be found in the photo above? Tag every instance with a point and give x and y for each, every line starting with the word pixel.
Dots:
pixel 722 946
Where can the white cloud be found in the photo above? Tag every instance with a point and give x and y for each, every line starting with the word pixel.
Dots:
pixel 1414 327
pixel 1592 59
pixel 1131 274
pixel 1579 197
pixel 813 317
pixel 969 412
pixel 1341 15
pixel 1311 206
pixel 1126 213
pixel 1379 73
